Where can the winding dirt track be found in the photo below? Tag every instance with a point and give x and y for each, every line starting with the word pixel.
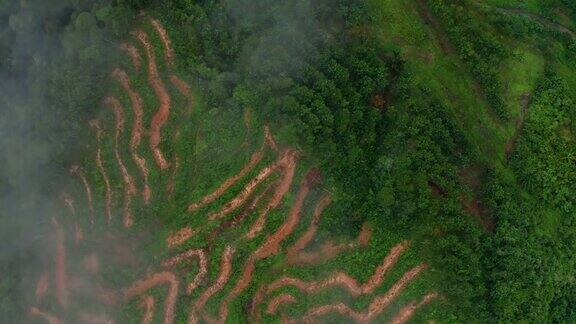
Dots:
pixel 161 116
pixel 133 54
pixel 137 129
pixel 279 300
pixel 272 244
pixel 60 272
pixel 156 279
pixel 100 165
pixel 406 313
pixel 282 189
pixel 329 250
pixel 269 139
pixel 77 171
pixel 179 237
pixel 202 266
pixel 168 52
pixel 148 304
pixel 378 304
pixel 49 318
pixel 254 160
pixel 307 237
pixel 341 279
pixel 287 158
pixel 129 185
pixel 223 277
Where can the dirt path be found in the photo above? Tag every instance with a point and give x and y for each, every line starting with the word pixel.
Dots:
pixel 60 271
pixel 168 52
pixel 249 188
pixel 49 318
pixel 271 245
pixel 289 169
pixel 132 52
pixel 430 19
pixel 223 277
pixel 328 250
pixel 42 286
pixel 269 139
pixel 341 279
pixel 129 185
pixel 148 304
pixel 137 129
pixel 161 278
pixel 180 237
pixel 543 20
pixel 406 313
pixel 309 234
pixel 202 266
pixel 279 300
pixel 252 205
pixel 76 170
pixel 100 165
pixel 254 160
pixel 376 307
pixel 161 116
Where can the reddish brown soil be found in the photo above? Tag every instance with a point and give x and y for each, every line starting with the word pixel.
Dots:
pixel 157 279
pixel 327 251
pixel 168 52
pixel 406 313
pixel 309 234
pixel 60 272
pixel 271 245
pixel 184 89
pixel 161 116
pixel 430 19
pixel 133 54
pixel 180 237
pixel 254 160
pixel 42 286
pixel 282 189
pixel 279 300
pixel 365 235
pixel 148 304
pixel 49 318
pixel 137 130
pixel 379 304
pixel 77 171
pixel 92 264
pixel 129 185
pixel 223 277
pixel 202 265
pixel 242 215
pixel 343 280
pixel 287 158
pixel 100 165
pixel 269 139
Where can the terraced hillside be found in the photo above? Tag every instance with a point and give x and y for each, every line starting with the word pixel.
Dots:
pixel 162 236
pixel 255 161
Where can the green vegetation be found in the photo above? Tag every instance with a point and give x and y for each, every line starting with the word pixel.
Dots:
pixel 451 124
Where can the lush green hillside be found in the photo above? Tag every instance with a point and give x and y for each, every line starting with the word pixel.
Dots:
pixel 245 161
